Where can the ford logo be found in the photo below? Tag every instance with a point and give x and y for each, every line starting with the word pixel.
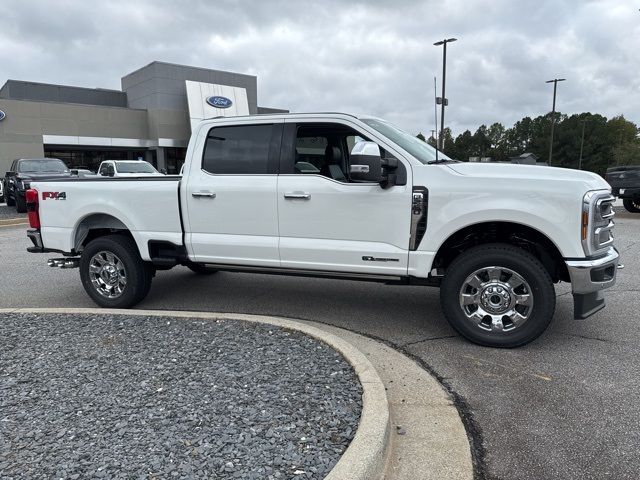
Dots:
pixel 2 115
pixel 219 102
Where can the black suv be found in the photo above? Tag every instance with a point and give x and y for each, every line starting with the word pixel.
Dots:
pixel 25 170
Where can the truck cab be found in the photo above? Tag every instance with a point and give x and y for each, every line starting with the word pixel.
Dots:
pixel 342 196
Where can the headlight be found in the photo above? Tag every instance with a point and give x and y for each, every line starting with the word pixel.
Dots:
pixel 596 225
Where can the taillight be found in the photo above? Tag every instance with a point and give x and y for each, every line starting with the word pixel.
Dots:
pixel 32 207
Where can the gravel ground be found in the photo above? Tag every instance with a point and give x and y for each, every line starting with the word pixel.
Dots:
pixel 149 397
pixel 9 212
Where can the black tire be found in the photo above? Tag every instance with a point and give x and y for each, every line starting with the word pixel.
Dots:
pixel 201 269
pixel 527 267
pixel 632 205
pixel 10 201
pixel 21 204
pixel 138 273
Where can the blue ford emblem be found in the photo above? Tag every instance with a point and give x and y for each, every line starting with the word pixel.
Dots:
pixel 2 115
pixel 219 102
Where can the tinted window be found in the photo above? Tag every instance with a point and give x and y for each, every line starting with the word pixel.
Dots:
pixel 242 149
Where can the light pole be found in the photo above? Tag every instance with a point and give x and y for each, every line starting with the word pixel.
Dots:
pixel 584 122
pixel 443 100
pixel 553 113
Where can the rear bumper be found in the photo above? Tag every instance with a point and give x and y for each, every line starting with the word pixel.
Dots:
pixel 589 277
pixel 36 239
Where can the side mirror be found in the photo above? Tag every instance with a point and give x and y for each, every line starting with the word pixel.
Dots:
pixel 365 163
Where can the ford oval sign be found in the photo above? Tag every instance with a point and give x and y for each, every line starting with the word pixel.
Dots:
pixel 2 115
pixel 219 102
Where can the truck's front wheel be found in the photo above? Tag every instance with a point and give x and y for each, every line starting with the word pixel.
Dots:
pixel 498 295
pixel 113 273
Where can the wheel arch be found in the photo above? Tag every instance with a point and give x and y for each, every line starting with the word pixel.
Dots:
pixel 512 233
pixel 97 225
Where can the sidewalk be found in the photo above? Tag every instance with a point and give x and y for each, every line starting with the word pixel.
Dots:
pixel 428 439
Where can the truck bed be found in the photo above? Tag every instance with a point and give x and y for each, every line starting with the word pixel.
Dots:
pixel 149 207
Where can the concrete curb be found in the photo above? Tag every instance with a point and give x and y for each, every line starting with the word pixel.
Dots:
pixel 366 456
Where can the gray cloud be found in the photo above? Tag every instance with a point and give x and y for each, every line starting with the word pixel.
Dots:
pixel 375 57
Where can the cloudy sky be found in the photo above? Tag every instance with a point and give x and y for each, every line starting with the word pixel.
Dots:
pixel 356 56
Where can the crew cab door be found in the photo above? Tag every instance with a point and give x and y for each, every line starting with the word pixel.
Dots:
pixel 231 214
pixel 328 222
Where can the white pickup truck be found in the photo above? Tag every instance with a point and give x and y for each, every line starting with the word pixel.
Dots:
pixel 339 196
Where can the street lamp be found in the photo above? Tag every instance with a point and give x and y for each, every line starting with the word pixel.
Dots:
pixel 443 100
pixel 553 113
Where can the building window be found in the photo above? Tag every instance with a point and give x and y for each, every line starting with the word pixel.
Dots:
pixel 174 158
pixel 91 159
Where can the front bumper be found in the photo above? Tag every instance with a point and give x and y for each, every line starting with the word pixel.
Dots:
pixel 589 277
pixel 632 192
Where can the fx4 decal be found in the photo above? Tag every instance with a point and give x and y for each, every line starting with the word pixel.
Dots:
pixel 54 195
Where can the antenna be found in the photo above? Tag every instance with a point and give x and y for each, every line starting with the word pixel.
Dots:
pixel 435 113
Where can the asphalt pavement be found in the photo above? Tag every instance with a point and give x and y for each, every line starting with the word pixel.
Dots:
pixel 565 406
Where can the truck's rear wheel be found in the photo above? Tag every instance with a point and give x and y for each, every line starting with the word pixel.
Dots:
pixel 498 295
pixel 632 205
pixel 113 273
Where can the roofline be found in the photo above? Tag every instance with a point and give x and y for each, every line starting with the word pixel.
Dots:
pixel 283 114
pixel 186 66
pixel 93 89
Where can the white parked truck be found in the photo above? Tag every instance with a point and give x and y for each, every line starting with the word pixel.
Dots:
pixel 341 196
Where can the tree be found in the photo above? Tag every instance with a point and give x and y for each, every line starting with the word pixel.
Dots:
pixel 496 135
pixel 607 142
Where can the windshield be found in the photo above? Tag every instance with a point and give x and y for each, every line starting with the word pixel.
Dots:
pixel 135 167
pixel 42 166
pixel 421 150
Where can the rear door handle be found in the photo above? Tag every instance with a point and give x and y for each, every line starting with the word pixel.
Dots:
pixel 298 196
pixel 204 194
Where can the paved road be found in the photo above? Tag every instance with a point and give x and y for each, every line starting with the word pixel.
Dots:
pixel 566 406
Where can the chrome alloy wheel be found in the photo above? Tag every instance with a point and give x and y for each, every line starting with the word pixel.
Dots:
pixel 108 275
pixel 496 299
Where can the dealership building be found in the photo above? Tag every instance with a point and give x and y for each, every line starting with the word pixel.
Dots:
pixel 150 118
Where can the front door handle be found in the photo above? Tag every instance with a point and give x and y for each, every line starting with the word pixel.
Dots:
pixel 298 196
pixel 204 194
